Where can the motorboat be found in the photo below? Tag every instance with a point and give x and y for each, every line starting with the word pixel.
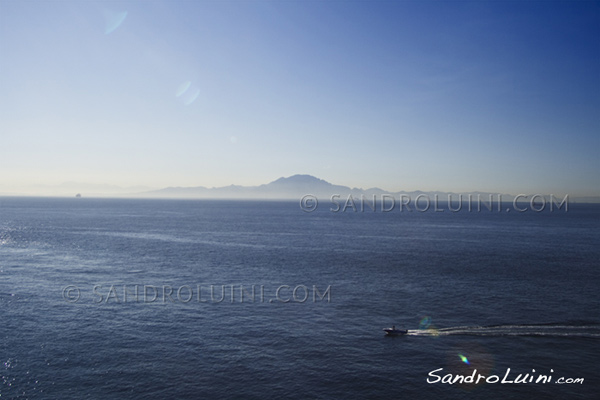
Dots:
pixel 395 332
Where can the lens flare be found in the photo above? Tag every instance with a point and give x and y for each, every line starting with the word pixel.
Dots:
pixel 425 323
pixel 183 88
pixel 113 20
pixel 191 98
pixel 187 93
pixel 464 359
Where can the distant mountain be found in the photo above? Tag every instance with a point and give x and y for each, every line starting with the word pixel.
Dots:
pixel 296 186
pixel 299 180
pixel 283 188
pixel 293 187
pixel 299 185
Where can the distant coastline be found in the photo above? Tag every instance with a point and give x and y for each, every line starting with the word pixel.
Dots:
pixel 284 188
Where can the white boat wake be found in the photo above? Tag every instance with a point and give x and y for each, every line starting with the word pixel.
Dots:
pixel 552 330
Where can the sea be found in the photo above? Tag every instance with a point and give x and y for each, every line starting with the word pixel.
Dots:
pixel 223 299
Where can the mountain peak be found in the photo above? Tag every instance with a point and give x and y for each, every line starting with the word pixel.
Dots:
pixel 299 179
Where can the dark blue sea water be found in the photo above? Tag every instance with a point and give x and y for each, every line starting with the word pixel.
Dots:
pixel 498 290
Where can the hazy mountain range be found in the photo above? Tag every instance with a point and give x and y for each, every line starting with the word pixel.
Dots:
pixel 293 187
pixel 296 186
pixel 68 189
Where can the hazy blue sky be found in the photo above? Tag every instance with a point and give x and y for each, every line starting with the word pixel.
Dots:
pixel 494 96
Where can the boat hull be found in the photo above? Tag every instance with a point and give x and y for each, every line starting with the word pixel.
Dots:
pixel 395 332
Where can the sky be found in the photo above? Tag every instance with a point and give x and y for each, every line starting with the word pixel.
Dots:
pixel 493 96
